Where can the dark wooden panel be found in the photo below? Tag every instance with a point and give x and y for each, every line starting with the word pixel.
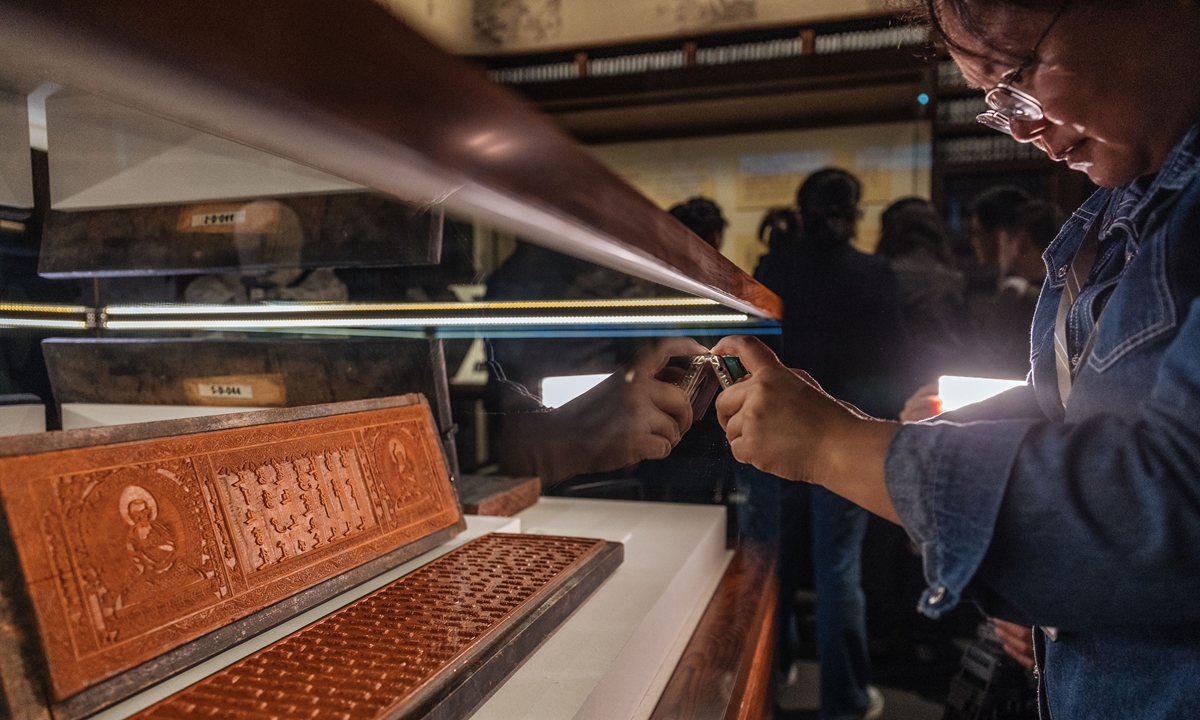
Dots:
pixel 435 643
pixel 289 372
pixel 497 496
pixel 868 68
pixel 340 231
pixel 725 671
pixel 165 371
pixel 133 549
pixel 349 89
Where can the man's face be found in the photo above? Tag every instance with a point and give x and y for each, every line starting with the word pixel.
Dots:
pixel 985 243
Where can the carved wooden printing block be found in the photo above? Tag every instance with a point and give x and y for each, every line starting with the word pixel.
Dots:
pixel 131 549
pixel 392 653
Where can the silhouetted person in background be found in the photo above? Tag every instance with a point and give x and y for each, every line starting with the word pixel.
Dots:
pixel 1001 320
pixel 841 322
pixel 929 284
pixel 703 217
pixel 992 214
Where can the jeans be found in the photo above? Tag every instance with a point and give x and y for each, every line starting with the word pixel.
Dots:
pixel 776 510
pixel 838 528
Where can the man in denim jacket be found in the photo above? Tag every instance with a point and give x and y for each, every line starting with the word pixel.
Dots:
pixel 1073 503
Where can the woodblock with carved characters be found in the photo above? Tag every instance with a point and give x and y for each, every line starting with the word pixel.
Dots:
pixel 128 550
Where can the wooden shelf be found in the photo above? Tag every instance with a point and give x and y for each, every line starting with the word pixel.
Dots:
pixel 995 167
pixel 960 130
pixel 725 671
pixel 953 92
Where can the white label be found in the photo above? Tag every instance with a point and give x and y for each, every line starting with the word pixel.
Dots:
pixel 230 217
pixel 226 391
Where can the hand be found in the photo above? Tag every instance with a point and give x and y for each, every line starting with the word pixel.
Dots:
pixel 630 417
pixel 1017 641
pixel 923 404
pixel 774 419
pixel 783 423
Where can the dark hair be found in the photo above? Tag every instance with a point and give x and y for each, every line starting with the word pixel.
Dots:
pixel 703 217
pixel 997 208
pixel 911 224
pixel 1040 221
pixel 779 227
pixel 828 202
pixel 971 16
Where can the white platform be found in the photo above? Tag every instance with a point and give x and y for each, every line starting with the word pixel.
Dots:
pixel 86 415
pixel 611 659
pixel 22 419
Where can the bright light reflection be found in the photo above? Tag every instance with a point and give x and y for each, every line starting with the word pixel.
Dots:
pixel 560 390
pixel 282 308
pixel 957 391
pixel 421 322
pixel 43 324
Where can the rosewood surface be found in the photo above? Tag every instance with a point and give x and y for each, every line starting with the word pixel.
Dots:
pixel 131 549
pixel 430 644
pixel 725 670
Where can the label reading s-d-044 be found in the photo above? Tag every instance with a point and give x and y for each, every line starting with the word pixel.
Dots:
pixel 225 391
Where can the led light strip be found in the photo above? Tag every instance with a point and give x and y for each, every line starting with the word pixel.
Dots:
pixel 292 308
pixel 43 308
pixel 7 322
pixel 421 322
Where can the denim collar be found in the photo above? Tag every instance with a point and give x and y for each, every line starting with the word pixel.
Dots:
pixel 1131 208
pixel 1179 169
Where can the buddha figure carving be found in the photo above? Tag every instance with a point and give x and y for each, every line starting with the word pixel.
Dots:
pixel 151 544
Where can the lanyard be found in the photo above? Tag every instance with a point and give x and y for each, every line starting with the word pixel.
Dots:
pixel 1066 363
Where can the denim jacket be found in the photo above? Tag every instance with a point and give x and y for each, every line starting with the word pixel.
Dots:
pixel 1088 519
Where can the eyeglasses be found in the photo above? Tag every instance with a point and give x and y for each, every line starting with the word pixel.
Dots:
pixel 1005 102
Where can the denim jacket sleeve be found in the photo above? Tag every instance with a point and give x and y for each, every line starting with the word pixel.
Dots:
pixel 948 517
pixel 1093 524
pixel 921 461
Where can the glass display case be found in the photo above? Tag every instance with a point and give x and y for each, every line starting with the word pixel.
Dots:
pixel 238 224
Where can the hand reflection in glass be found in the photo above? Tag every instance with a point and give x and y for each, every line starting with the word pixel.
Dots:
pixel 636 414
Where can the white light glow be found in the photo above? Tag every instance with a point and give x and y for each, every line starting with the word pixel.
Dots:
pixel 283 308
pixel 956 391
pixel 560 390
pixel 420 322
pixel 44 324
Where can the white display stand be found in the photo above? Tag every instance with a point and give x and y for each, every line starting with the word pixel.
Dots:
pixel 86 415
pixel 22 419
pixel 612 658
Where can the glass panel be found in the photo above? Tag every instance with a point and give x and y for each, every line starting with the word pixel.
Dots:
pixel 169 273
